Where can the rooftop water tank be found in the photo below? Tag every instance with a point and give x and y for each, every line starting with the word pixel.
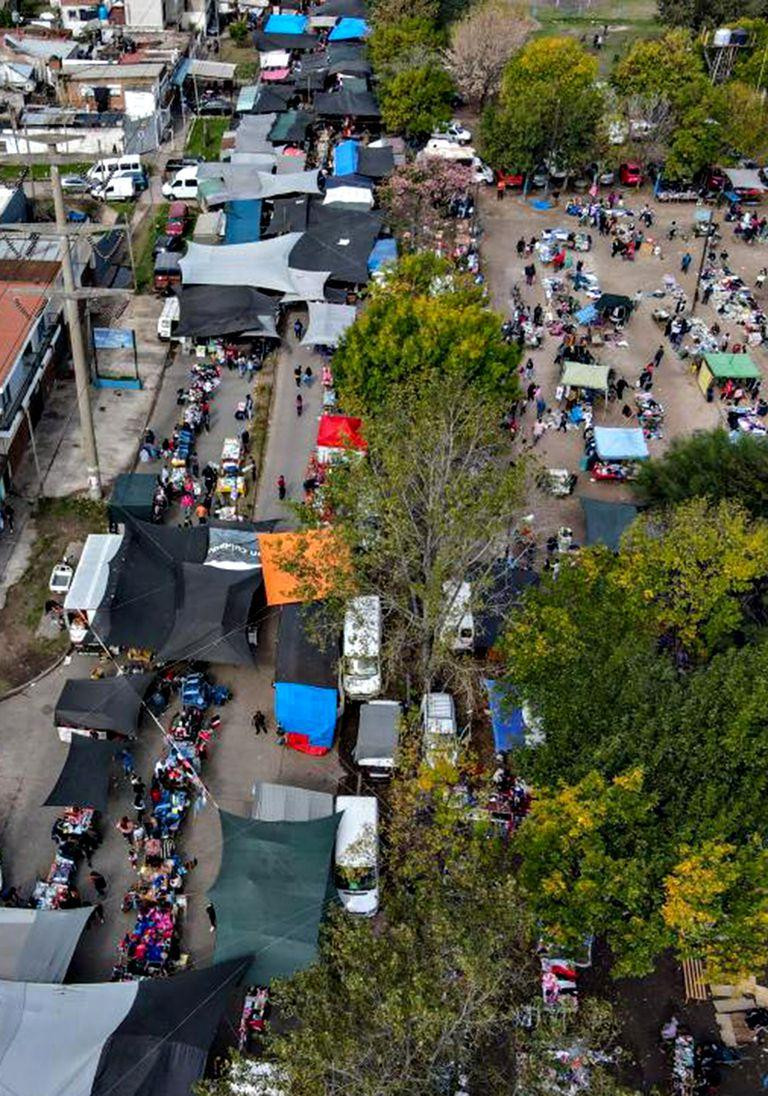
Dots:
pixel 721 37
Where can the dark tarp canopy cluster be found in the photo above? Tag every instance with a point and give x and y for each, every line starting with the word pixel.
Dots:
pixel 37 945
pixel 272 100
pixel 290 128
pixel 339 104
pixel 210 310
pixel 301 657
pixel 606 521
pixel 106 704
pixel 84 780
pixel 350 9
pixel 610 302
pixel 288 215
pixel 133 493
pixel 375 163
pixel 339 242
pixel 266 42
pixel 271 891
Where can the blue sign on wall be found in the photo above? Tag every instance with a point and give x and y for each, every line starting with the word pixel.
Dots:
pixel 113 338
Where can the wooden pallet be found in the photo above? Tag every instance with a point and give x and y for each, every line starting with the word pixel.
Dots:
pixel 695 980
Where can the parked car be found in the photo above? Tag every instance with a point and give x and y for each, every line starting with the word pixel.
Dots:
pixel 455 131
pixel 178 219
pixel 176 163
pixel 221 107
pixel 75 184
pixel 631 173
pixel 167 243
pixel 440 731
pixel 140 179
pixel 606 177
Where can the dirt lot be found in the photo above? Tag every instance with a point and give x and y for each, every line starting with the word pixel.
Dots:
pixel 686 409
pixel 58 523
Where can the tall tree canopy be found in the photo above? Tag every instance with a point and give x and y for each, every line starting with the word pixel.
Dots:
pixel 425 324
pixel 482 43
pixel 416 101
pixel 670 66
pixel 548 108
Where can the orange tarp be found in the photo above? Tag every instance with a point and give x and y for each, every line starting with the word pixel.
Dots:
pixel 298 566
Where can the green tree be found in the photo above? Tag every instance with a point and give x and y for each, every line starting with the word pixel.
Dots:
pixel 393 11
pixel 696 14
pixel 709 465
pixel 238 31
pixel 746 120
pixel 670 66
pixel 416 101
pixel 393 44
pixel 433 503
pixel 426 325
pixel 548 108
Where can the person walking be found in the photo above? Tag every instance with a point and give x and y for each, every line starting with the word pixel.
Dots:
pixel 249 406
pixel 99 883
pixel 538 431
pixel 672 230
pixel 541 406
pixel 298 329
pixel 500 188
pixel 127 828
pixel 299 405
pixel 210 909
pixel 308 376
pixel 8 516
pixel 562 426
pixel 281 487
pixel 297 375
pixel 259 721
pixel 685 262
pixel 658 356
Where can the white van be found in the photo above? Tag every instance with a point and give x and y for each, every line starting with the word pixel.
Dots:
pixel 443 149
pixel 183 186
pixel 118 188
pixel 357 854
pixel 102 169
pixel 438 719
pixel 362 648
pixel 458 629
pixel 168 319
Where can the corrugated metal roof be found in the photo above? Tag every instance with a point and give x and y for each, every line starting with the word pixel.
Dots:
pixel 211 70
pixel 109 74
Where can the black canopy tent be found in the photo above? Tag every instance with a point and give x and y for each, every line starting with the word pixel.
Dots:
pixel 272 100
pixel 340 104
pixel 84 780
pixel 133 493
pixel 376 163
pixel 211 310
pixel 339 242
pixel 212 619
pixel 107 704
pixel 300 656
pixel 266 42
pixel 351 9
pixel 350 66
pixel 288 215
pixel 609 304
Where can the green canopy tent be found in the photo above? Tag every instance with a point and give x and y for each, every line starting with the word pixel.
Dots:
pixel 606 521
pixel 132 494
pixel 271 891
pixel 585 375
pixel 724 367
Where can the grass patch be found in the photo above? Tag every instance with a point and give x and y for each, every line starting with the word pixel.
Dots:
pixel 142 247
pixel 12 172
pixel 58 522
pixel 633 20
pixel 205 137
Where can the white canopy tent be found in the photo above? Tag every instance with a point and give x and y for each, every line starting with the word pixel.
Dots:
pixel 327 323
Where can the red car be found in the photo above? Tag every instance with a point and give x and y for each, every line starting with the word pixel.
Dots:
pixel 512 180
pixel 178 215
pixel 630 174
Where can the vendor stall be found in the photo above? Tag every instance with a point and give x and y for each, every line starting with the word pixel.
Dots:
pixel 104 708
pixel 715 370
pixel 614 307
pixel 231 481
pixel 586 376
pixel 613 452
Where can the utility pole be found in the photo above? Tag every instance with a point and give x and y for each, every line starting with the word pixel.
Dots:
pixel 76 341
pixel 707 244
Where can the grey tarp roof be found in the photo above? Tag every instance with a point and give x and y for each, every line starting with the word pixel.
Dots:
pixel 290 127
pixel 241 181
pixel 211 620
pixel 377 732
pixel 327 323
pixel 37 945
pixel 356 9
pixel 744 178
pixel 209 310
pixel 111 1038
pixel 286 803
pixel 264 42
pixel 288 215
pixel 107 704
pixel 262 265
pixel 211 70
pixel 84 780
pixel 253 128
pixel 338 104
pixel 375 162
pixel 270 892
pixel 606 521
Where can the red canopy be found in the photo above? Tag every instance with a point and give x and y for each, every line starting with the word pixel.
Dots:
pixel 340 432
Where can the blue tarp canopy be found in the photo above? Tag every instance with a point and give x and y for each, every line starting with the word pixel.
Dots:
pixel 620 443
pixel 289 23
pixel 384 251
pixel 243 221
pixel 506 721
pixel 181 72
pixel 345 158
pixel 347 29
pixel 606 521
pixel 306 709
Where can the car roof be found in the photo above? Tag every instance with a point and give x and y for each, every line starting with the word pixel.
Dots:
pixel 177 209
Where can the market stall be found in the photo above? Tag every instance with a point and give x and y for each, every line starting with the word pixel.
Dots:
pixel 585 377
pixel 109 706
pixel 612 452
pixel 715 370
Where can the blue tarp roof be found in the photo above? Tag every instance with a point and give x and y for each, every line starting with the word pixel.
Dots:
pixel 506 722
pixel 345 158
pixel 620 443
pixel 289 23
pixel 306 709
pixel 181 72
pixel 384 251
pixel 347 29
pixel 243 221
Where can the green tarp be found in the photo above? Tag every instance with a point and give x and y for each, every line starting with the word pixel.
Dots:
pixel 271 891
pixel 731 366
pixel 606 521
pixel 132 494
pixel 581 375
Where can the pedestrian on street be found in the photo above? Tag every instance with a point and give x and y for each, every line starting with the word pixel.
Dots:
pixel 99 883
pixel 96 915
pixel 530 274
pixel 658 356
pixel 529 369
pixel 538 431
pixel 500 190
pixel 210 909
pixel 541 407
pixel 8 515
pixel 127 828
pixel 685 262
pixel 245 441
pixel 298 329
pixel 562 426
pixel 672 231
pixel 281 487
pixel 299 405
pixel 297 375
pixel 126 760
pixel 259 721
pixel 249 406
pixel 308 376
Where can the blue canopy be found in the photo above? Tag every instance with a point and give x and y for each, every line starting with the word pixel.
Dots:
pixel 345 158
pixel 384 251
pixel 289 23
pixel 620 443
pixel 506 722
pixel 243 221
pixel 347 29
pixel 306 709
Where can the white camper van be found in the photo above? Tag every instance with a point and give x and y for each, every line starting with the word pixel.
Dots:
pixel 103 169
pixel 357 854
pixel 362 648
pixel 377 738
pixel 183 186
pixel 168 319
pixel 458 629
pixel 438 719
